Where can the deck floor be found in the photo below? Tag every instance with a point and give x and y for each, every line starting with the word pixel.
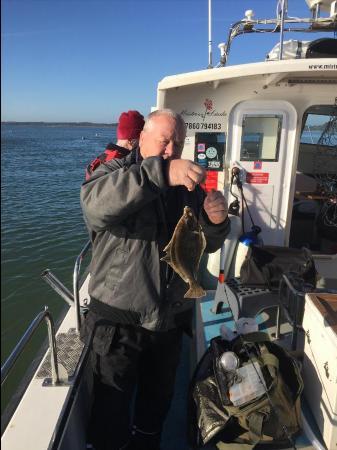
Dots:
pixel 175 428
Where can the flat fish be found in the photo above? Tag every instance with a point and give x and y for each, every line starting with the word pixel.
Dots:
pixel 184 251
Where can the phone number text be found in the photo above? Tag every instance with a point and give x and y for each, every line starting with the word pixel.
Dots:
pixel 203 126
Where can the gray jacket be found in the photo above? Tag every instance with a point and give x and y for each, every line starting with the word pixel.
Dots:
pixel 131 213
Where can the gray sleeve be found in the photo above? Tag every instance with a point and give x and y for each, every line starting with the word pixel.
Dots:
pixel 111 195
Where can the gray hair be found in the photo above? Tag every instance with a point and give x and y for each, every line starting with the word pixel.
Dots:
pixel 165 112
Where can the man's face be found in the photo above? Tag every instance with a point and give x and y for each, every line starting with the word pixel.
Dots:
pixel 164 137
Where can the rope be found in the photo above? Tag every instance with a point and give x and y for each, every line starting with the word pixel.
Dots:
pixel 235 205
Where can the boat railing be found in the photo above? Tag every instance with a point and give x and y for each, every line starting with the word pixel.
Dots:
pixel 73 383
pixel 58 286
pixel 10 361
pixel 76 283
pixel 276 25
pixel 73 299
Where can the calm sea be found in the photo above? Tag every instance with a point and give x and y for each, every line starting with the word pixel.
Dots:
pixel 41 222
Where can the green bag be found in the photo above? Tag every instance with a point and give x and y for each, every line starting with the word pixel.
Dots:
pixel 273 418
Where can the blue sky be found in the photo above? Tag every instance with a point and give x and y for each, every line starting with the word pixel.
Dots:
pixel 89 60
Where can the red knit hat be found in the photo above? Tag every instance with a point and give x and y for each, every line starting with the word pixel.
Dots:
pixel 130 125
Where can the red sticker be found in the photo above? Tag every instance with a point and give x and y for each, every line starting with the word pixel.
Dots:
pixel 257 177
pixel 257 165
pixel 211 181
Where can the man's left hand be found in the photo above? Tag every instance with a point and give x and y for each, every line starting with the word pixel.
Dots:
pixel 215 206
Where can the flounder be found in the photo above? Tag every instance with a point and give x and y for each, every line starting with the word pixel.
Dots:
pixel 184 251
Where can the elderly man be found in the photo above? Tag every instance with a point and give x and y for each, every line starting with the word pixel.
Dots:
pixel 138 312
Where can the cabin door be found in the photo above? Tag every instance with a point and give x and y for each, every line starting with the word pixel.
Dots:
pixel 261 143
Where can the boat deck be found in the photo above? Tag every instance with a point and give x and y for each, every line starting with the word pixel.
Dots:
pixel 208 326
pixel 175 429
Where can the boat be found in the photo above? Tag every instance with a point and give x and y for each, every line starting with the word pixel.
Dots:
pixel 266 133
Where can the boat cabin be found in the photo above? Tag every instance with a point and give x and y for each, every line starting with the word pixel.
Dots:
pixel 261 119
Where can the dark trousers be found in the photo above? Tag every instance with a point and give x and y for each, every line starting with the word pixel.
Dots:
pixel 132 367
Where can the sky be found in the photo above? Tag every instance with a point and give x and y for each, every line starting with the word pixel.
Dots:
pixel 74 61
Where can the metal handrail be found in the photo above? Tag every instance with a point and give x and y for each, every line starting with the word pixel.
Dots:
pixel 76 289
pixel 59 287
pixel 295 288
pixel 10 361
pixel 246 26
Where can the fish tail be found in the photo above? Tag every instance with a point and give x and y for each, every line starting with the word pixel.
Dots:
pixel 195 291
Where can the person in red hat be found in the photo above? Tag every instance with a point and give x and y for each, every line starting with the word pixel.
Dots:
pixel 130 125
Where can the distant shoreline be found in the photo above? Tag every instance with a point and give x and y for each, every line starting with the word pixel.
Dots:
pixel 62 124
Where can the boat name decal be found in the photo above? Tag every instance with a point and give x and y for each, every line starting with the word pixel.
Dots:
pixel 209 111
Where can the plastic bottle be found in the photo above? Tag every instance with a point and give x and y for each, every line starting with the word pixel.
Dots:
pixel 249 384
pixel 245 241
pixel 214 260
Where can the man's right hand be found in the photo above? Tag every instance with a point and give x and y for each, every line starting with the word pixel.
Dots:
pixel 182 172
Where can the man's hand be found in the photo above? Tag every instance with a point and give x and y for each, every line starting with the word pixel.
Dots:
pixel 182 172
pixel 215 206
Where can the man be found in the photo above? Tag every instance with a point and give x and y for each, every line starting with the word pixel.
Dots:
pixel 130 124
pixel 137 310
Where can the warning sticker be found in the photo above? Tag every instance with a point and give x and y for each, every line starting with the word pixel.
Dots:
pixel 257 165
pixel 257 177
pixel 211 181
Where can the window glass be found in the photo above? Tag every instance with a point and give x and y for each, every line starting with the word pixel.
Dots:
pixel 260 137
pixel 315 130
pixel 318 148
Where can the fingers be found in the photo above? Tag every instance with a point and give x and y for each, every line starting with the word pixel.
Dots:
pixel 215 206
pixel 185 173
pixel 214 197
pixel 218 209
pixel 195 175
pixel 189 184
pixel 194 170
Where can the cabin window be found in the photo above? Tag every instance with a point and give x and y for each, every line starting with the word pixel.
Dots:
pixel 318 129
pixel 314 217
pixel 318 147
pixel 260 137
pixel 210 150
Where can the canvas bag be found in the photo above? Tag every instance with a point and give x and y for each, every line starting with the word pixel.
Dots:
pixel 213 418
pixel 265 265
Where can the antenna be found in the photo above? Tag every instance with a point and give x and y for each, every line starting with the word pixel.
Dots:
pixel 210 63
pixel 284 13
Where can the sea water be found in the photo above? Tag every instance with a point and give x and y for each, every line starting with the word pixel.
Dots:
pixel 41 223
